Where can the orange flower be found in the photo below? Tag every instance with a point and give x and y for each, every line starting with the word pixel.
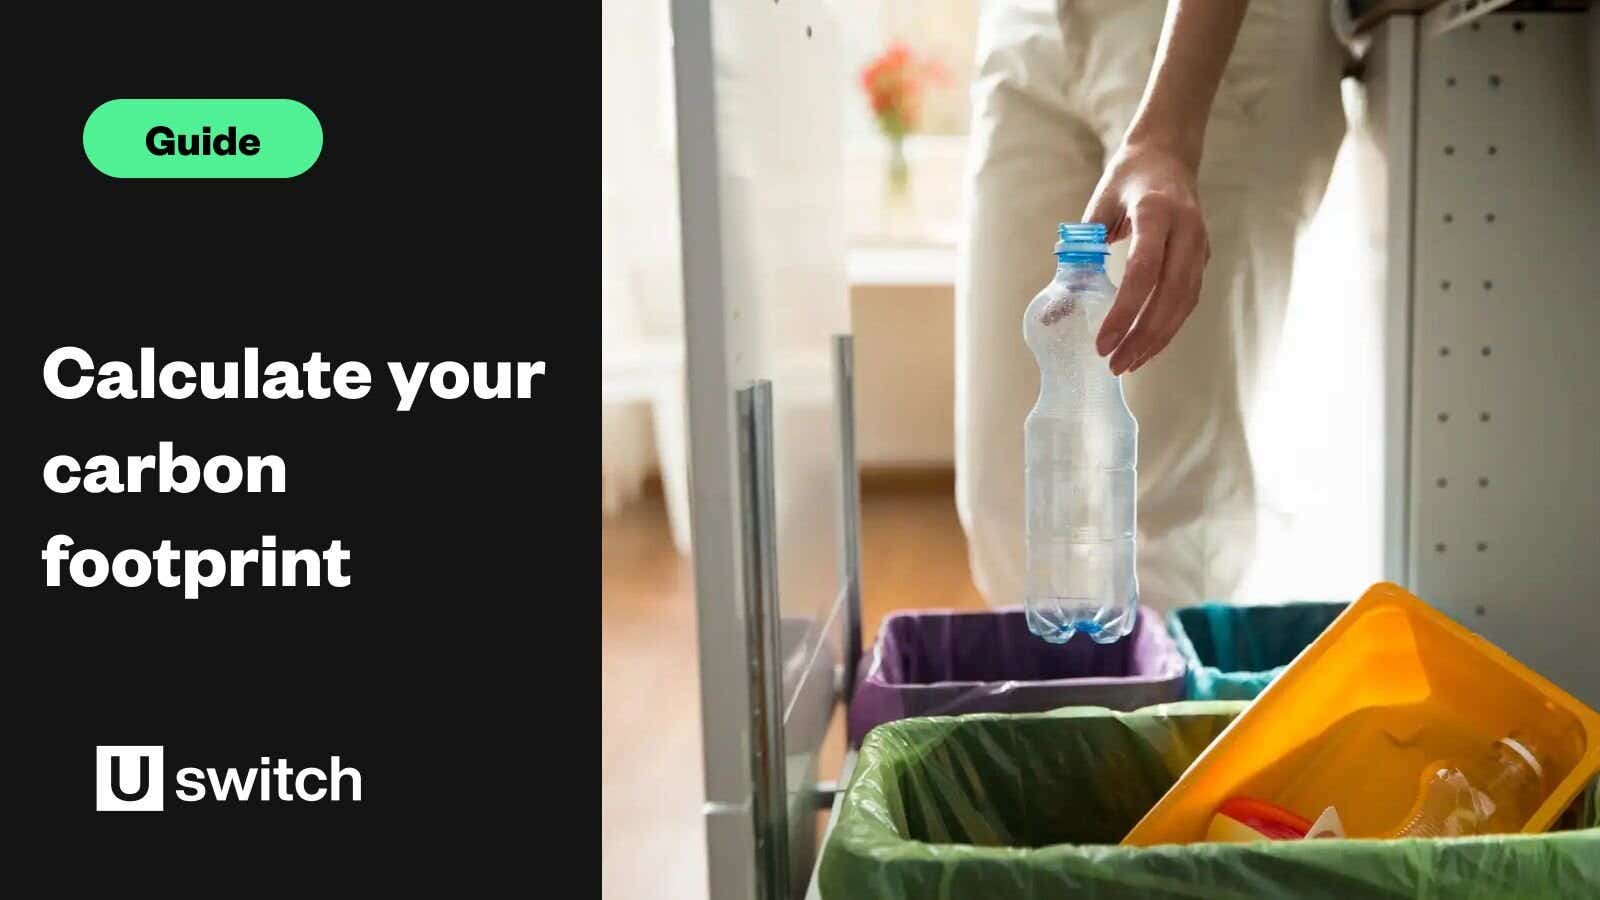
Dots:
pixel 894 83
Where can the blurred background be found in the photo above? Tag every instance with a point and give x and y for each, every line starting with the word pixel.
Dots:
pixel 1316 435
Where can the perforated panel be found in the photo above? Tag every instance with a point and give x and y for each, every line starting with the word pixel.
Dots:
pixel 1505 404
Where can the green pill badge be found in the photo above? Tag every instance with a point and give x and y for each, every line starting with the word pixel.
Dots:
pixel 202 138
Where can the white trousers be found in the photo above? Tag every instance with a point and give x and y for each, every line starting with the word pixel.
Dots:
pixel 1057 83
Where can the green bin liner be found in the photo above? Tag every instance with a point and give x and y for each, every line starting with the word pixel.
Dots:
pixel 1234 652
pixel 994 807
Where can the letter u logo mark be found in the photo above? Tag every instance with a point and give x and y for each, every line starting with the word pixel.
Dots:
pixel 116 779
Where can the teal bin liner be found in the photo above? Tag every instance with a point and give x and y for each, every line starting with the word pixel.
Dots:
pixel 1234 652
pixel 1028 807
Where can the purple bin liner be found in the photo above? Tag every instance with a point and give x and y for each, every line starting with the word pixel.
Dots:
pixel 946 663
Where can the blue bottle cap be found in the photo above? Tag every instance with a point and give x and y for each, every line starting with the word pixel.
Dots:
pixel 1081 237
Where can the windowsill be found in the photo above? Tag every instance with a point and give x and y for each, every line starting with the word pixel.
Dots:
pixel 917 251
pixel 918 147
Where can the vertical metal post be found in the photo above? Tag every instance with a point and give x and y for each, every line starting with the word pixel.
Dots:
pixel 769 779
pixel 850 508
pixel 1391 80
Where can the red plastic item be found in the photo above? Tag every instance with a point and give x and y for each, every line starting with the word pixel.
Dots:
pixel 1272 821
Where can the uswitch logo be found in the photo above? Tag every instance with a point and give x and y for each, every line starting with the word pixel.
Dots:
pixel 131 778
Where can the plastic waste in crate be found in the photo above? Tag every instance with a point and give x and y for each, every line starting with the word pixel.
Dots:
pixel 1407 724
pixel 1082 447
pixel 1492 793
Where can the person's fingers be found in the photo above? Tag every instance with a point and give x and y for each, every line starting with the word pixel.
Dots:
pixel 1131 350
pixel 1182 311
pixel 1105 207
pixel 1175 298
pixel 1170 303
pixel 1151 222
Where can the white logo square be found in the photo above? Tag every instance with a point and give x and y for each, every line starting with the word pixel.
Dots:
pixel 129 778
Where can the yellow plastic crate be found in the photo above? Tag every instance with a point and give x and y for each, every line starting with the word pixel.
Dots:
pixel 1389 687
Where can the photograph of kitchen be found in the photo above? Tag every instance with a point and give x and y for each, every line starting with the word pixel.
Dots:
pixel 1100 448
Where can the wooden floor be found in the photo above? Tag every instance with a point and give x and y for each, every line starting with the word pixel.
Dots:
pixel 652 843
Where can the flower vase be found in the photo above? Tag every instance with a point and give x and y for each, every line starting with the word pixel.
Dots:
pixel 899 209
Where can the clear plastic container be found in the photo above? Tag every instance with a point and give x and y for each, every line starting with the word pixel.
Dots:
pixel 1082 447
pixel 1495 792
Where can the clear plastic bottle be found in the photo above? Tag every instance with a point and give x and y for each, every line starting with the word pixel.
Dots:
pixel 1494 793
pixel 1082 446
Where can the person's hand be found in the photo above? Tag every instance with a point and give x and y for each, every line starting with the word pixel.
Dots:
pixel 1148 193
